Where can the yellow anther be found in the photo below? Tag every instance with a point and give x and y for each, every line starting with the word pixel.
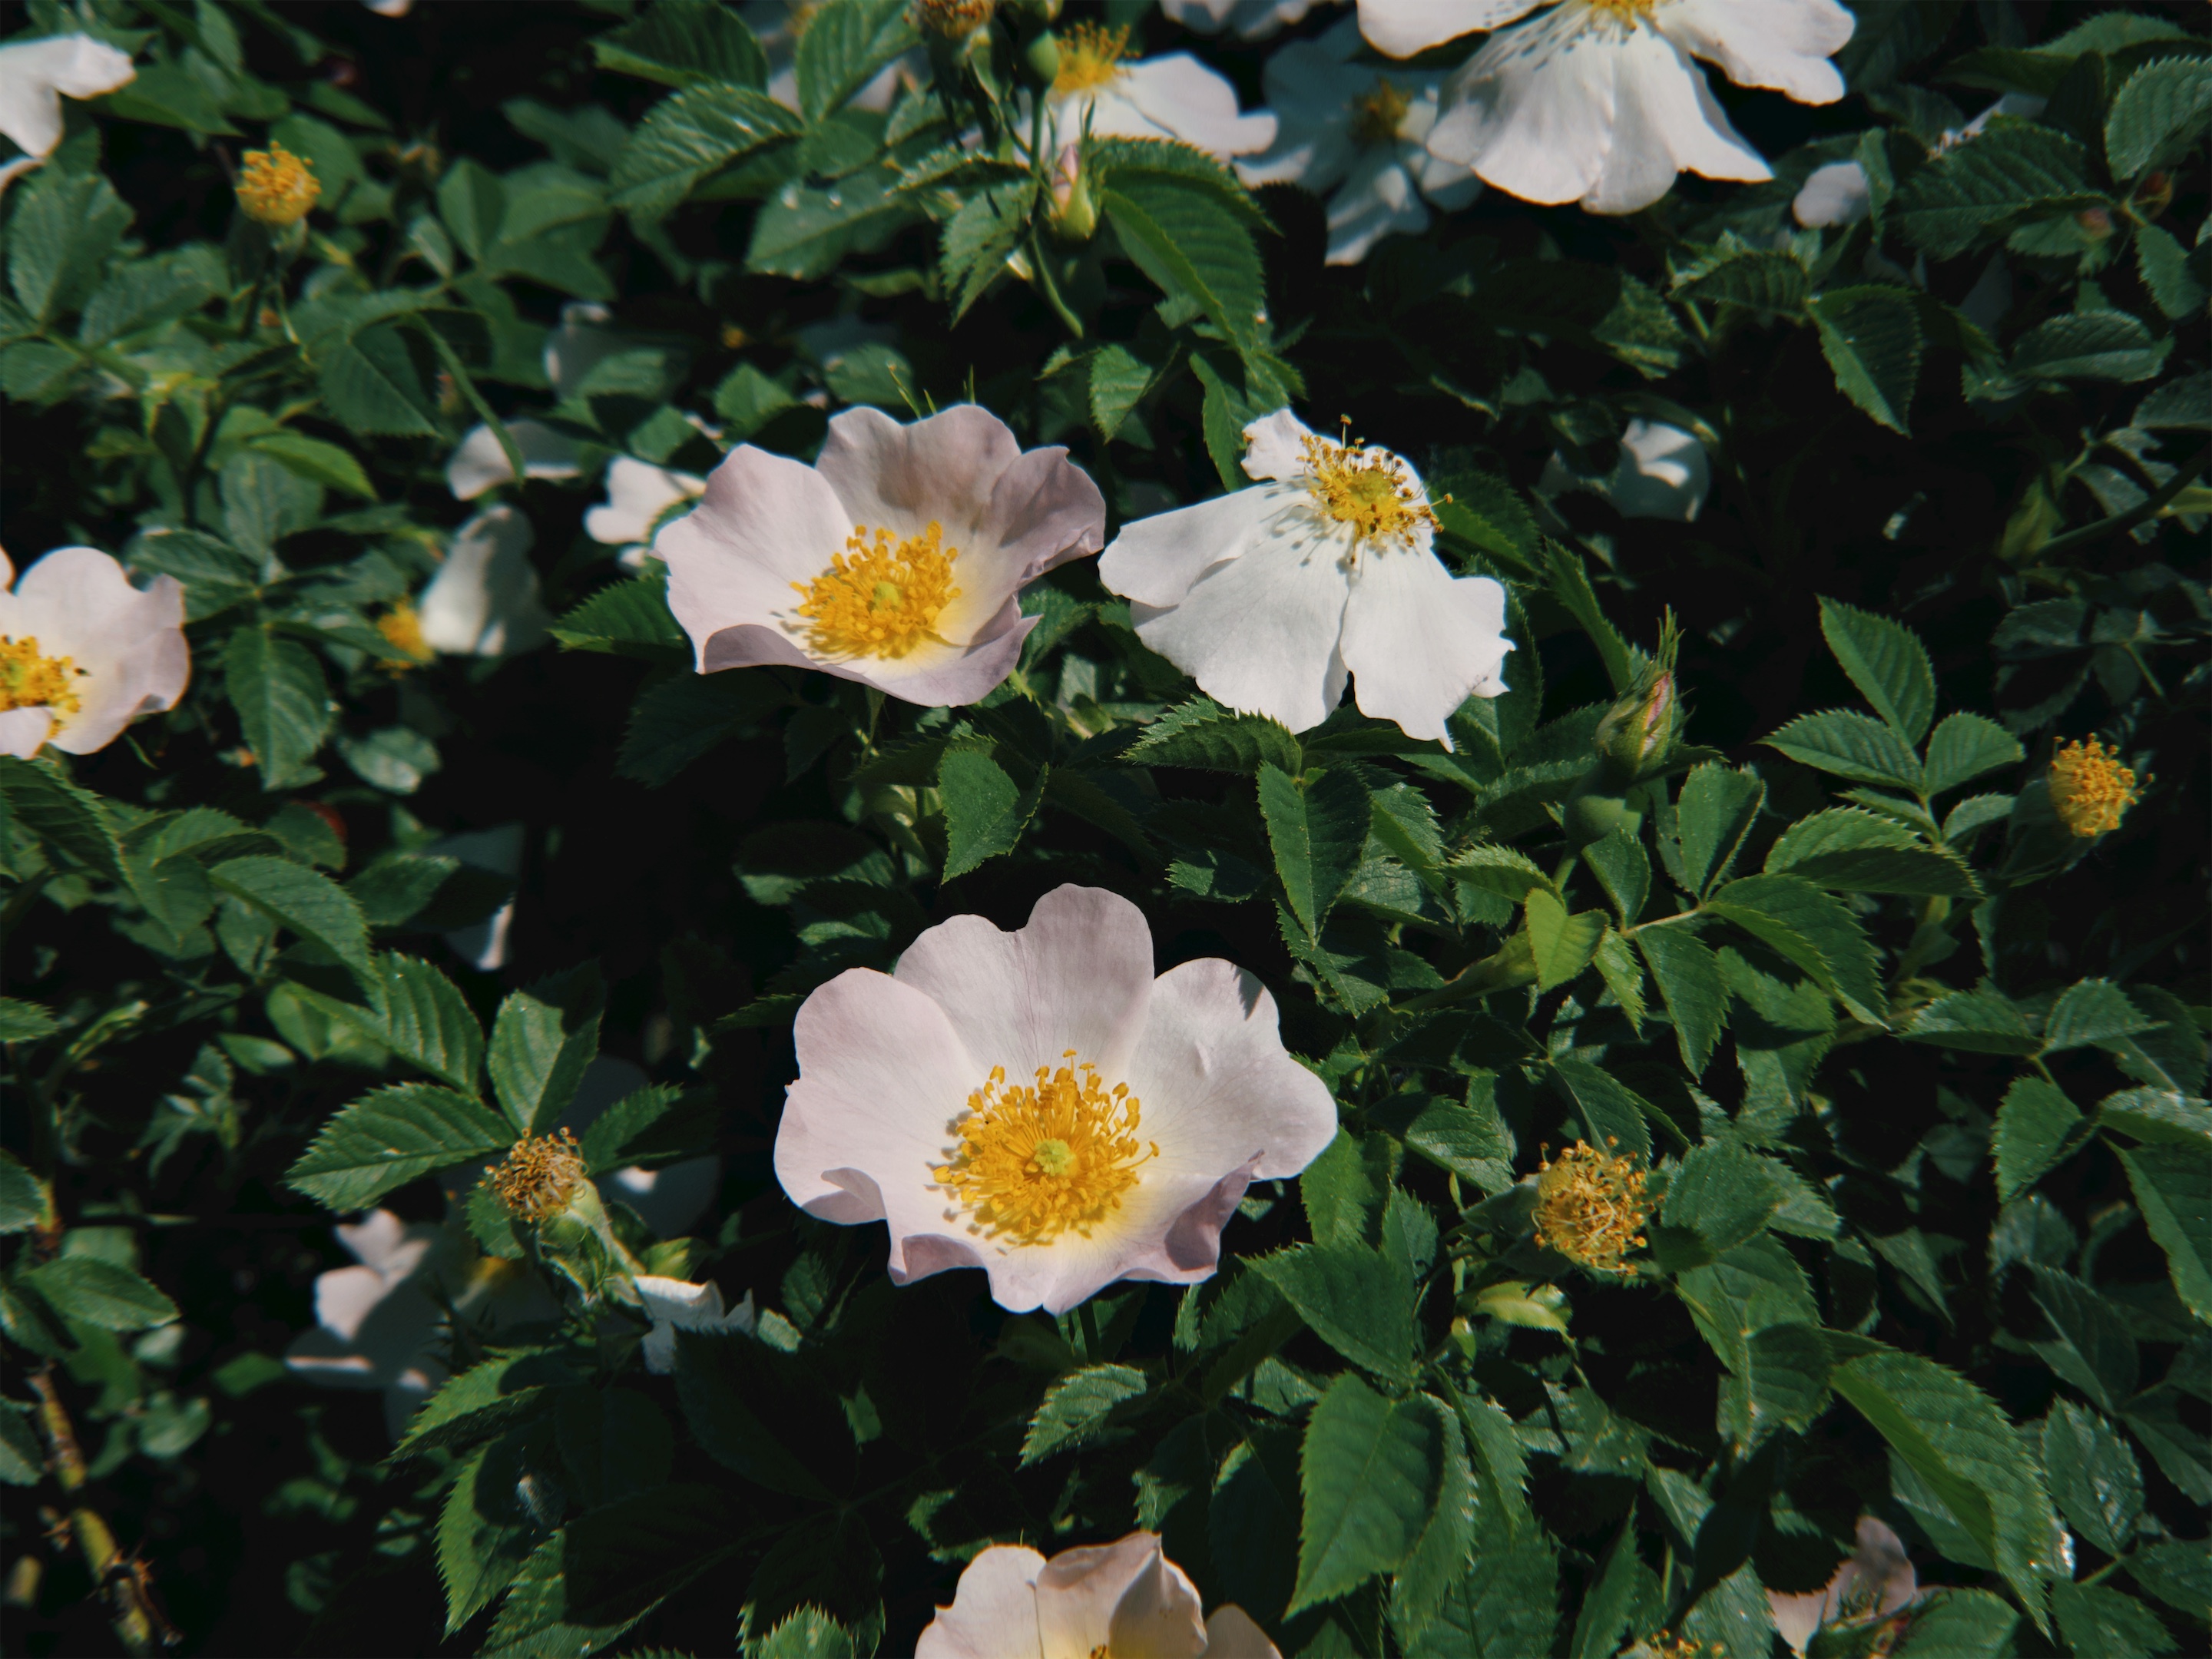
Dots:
pixel 1090 56
pixel 1591 1208
pixel 1371 489
pixel 1039 1160
pixel 879 600
pixel 278 187
pixel 540 1174
pixel 1376 116
pixel 2090 790
pixel 28 680
pixel 402 628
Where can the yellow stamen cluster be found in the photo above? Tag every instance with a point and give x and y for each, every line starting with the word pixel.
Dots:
pixel 402 628
pixel 1090 56
pixel 540 1174
pixel 1666 1645
pixel 1375 117
pixel 278 187
pixel 2090 790
pixel 1371 489
pixel 1038 1160
pixel 28 680
pixel 955 20
pixel 1623 11
pixel 879 600
pixel 1590 1207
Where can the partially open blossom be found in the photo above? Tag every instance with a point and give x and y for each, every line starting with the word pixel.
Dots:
pixel 1590 1207
pixel 1120 1598
pixel 34 78
pixel 895 560
pixel 1876 1583
pixel 277 187
pixel 675 1304
pixel 2090 790
pixel 481 461
pixel 84 654
pixel 639 496
pixel 484 601
pixel 1272 597
pixel 1038 1105
pixel 1600 101
pixel 1175 97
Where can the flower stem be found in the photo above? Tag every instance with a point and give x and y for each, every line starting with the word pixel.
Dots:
pixel 139 1620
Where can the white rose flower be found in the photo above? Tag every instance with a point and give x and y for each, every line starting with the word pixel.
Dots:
pixel 1124 1597
pixel 1364 135
pixel 895 560
pixel 484 601
pixel 1038 1105
pixel 1171 97
pixel 1663 473
pixel 639 495
pixel 1270 598
pixel 1598 100
pixel 34 78
pixel 1875 1582
pixel 1248 19
pixel 480 462
pixel 84 654
pixel 675 1304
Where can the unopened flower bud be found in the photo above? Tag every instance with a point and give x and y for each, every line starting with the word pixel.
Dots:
pixel 277 187
pixel 1638 731
pixel 1074 214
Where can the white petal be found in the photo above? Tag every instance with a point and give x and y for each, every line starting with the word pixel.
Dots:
pixel 1420 642
pixel 1404 29
pixel 1836 194
pixel 479 463
pixel 638 493
pixel 1664 472
pixel 1248 19
pixel 1155 560
pixel 1531 112
pixel 1665 119
pixel 1378 197
pixel 1077 975
pixel 1122 1597
pixel 1274 446
pixel 382 1241
pixel 1781 43
pixel 1311 88
pixel 579 345
pixel 765 523
pixel 23 732
pixel 484 599
pixel 127 644
pixel 993 1611
pixel 34 74
pixel 1185 98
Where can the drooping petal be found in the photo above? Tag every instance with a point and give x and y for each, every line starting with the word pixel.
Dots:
pixel 1184 99
pixel 479 462
pixel 128 642
pixel 1665 119
pixel 1406 28
pixel 765 523
pixel 35 75
pixel 1664 472
pixel 484 601
pixel 993 1611
pixel 1781 43
pixel 1044 512
pixel 1077 975
pixel 1378 197
pixel 1274 446
pixel 1231 1634
pixel 1532 112
pixel 1420 642
pixel 675 1304
pixel 638 493
pixel 1155 560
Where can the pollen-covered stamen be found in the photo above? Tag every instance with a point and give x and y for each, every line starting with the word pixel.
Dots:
pixel 540 1174
pixel 1371 489
pixel 28 680
pixel 278 187
pixel 2090 790
pixel 1590 1207
pixel 879 600
pixel 1375 115
pixel 1089 57
pixel 402 628
pixel 1036 1161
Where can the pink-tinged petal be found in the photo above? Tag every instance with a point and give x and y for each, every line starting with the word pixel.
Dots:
pixel 1874 1581
pixel 23 731
pixel 765 523
pixel 1274 446
pixel 1531 112
pixel 1077 975
pixel 1158 1614
pixel 1406 28
pixel 1781 43
pixel 1045 511
pixel 1231 1634
pixel 1260 632
pixel 943 677
pixel 1421 641
pixel 1122 1597
pixel 128 643
pixel 1155 560
pixel 993 1611
pixel 903 478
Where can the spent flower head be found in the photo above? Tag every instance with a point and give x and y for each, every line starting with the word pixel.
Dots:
pixel 2090 789
pixel 277 187
pixel 1590 1207
pixel 540 1174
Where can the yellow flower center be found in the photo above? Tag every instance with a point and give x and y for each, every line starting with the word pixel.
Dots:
pixel 1623 11
pixel 278 187
pixel 1371 489
pixel 540 1174
pixel 879 600
pixel 1038 1160
pixel 2090 790
pixel 402 628
pixel 1090 56
pixel 1375 118
pixel 28 680
pixel 1590 1207
pixel 956 20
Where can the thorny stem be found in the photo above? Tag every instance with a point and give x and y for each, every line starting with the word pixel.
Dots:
pixel 138 1619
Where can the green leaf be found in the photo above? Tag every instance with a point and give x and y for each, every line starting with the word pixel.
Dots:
pixel 845 44
pixel 424 1019
pixel 802 232
pixel 1887 663
pixel 2012 170
pixel 21 1203
pixel 65 228
pixel 1871 338
pixel 2090 345
pixel 2158 112
pixel 1318 828
pixel 1438 1561
pixel 1965 746
pixel 2176 1570
pixel 1797 919
pixel 1356 1299
pixel 2096 1619
pixel 985 810
pixel 2094 1476
pixel 2163 267
pixel 1757 279
pixel 1849 850
pixel 2155 1115
pixel 153 290
pixel 1722 1193
pixel 316 461
pixel 283 702
pixel 2090 1012
pixel 23 1021
pixel 103 1294
pixel 389 1137
pixel 1183 237
pixel 677 719
pixel 542 1040
pixel 1076 1408
pixel 689 135
pixel 1345 1189
pixel 381 383
pixel 616 1442
pixel 1954 1437
pixel 2037 1127
pixel 1626 1592
pixel 1960 1624
pixel 1851 745
pixel 66 818
pixel 1569 584
pixel 484 1533
pixel 2173 1183
pixel 978 241
pixel 485 1398
pixel 1202 734
pixel 1717 807
pixel 1624 869
pixel 306 901
pixel 1505 870
pixel 1560 944
pixel 1979 1022
pixel 1469 1138
pixel 2093 1350
pixel 809 1633
pixel 1370 1470
pixel 1688 976
pixel 764 1414
pixel 22 1459
pixel 628 619
pixel 1613 1114
pixel 680 41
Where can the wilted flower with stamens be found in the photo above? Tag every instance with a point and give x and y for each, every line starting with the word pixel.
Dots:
pixel 1272 597
pixel 84 654
pixel 1126 1597
pixel 278 187
pixel 895 560
pixel 955 20
pixel 540 1176
pixel 1145 1108
pixel 1591 1209
pixel 2090 790
pixel 1876 1581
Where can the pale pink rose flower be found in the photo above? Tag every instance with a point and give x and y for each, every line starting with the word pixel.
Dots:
pixel 105 651
pixel 1873 1582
